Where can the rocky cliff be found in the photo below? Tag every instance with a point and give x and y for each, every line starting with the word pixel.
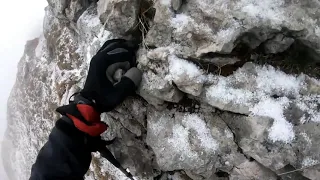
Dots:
pixel 230 88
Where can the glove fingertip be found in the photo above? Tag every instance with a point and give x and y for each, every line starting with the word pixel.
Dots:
pixel 135 75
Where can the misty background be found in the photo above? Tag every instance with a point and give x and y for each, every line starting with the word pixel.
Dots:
pixel 20 20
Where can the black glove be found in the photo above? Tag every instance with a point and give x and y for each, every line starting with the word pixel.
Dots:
pixel 100 86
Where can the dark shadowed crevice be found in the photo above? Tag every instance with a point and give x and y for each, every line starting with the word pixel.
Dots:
pixel 158 177
pixel 145 18
pixel 222 174
pixel 242 52
pixel 185 105
pixel 297 58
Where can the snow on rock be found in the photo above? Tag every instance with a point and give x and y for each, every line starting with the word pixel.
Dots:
pixel 309 162
pixel 201 27
pixel 51 69
pixel 187 76
pixel 180 22
pixel 191 141
pixel 155 87
pixel 281 130
pixel 187 123
pixel 264 91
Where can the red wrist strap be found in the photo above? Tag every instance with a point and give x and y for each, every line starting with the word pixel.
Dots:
pixel 93 117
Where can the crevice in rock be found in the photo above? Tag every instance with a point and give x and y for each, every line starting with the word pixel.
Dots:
pixel 241 52
pixel 297 58
pixel 185 105
pixel 159 176
pixel 290 176
pixel 221 173
pixel 239 149
pixel 145 17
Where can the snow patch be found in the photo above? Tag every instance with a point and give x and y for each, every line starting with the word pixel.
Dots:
pixel 309 162
pixel 309 104
pixel 180 139
pixel 180 69
pixel 281 129
pixel 273 81
pixel 306 137
pixel 193 121
pixel 266 10
pixel 253 88
pixel 180 22
pixel 226 35
pixel 165 2
pixel 222 92
pixel 180 142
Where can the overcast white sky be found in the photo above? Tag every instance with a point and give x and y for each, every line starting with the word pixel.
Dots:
pixel 20 20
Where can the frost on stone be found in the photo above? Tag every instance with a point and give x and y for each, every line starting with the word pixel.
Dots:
pixel 192 122
pixel 310 105
pixel 281 130
pixel 187 76
pixel 263 91
pixel 306 162
pixel 222 95
pixel 264 9
pixel 273 119
pixel 180 22
pixel 180 142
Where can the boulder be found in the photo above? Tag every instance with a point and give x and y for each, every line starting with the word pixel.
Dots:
pixel 202 27
pixel 127 129
pixel 119 16
pixel 252 170
pixel 252 137
pixel 196 142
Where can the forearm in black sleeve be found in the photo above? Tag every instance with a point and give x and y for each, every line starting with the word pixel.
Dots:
pixel 64 156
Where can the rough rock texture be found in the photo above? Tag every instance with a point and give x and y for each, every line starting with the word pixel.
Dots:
pixel 193 142
pixel 202 111
pixel 119 16
pixel 251 170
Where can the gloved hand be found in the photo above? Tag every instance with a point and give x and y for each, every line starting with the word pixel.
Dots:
pixel 100 86
pixel 101 93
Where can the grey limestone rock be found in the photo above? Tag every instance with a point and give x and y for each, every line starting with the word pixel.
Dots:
pixel 199 143
pixel 186 122
pixel 252 170
pixel 176 4
pixel 278 44
pixel 202 27
pixel 119 16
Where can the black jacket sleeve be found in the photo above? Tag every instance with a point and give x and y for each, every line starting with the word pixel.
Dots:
pixel 64 156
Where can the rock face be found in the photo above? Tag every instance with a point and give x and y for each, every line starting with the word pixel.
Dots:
pixel 203 111
pixel 193 142
pixel 120 16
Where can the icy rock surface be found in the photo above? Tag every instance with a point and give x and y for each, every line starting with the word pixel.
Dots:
pixel 190 119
